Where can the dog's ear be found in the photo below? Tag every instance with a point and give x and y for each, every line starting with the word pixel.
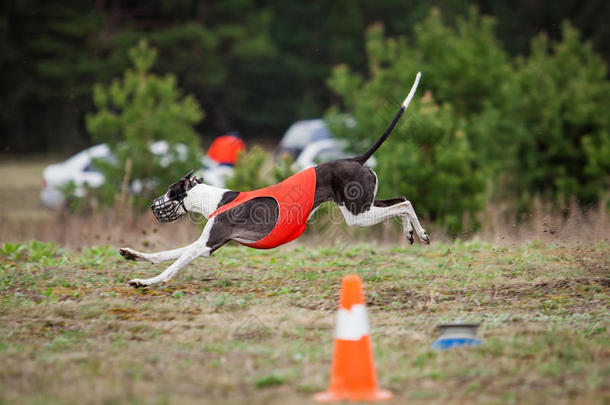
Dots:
pixel 187 181
pixel 188 175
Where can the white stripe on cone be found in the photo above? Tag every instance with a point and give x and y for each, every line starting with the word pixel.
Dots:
pixel 352 324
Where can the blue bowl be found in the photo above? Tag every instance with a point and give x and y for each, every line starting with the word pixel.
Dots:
pixel 457 334
pixel 444 344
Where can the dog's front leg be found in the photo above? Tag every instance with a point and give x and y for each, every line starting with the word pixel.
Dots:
pixel 190 253
pixel 186 255
pixel 164 256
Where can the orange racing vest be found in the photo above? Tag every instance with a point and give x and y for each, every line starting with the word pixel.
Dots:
pixel 294 196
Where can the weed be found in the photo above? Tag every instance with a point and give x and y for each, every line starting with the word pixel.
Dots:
pixel 40 250
pixel 270 380
pixel 12 251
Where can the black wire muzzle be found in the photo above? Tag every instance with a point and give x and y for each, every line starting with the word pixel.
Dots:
pixel 167 211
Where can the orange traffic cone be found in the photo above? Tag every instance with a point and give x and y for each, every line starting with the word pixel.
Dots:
pixel 353 369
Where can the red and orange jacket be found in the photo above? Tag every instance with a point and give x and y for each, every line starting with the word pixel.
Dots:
pixel 295 197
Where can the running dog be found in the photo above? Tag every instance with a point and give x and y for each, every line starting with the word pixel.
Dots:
pixel 275 215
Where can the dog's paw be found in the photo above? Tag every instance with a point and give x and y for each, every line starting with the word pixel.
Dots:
pixel 128 254
pixel 136 283
pixel 425 238
pixel 409 236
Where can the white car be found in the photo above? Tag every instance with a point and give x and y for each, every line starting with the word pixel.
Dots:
pixel 80 170
pixel 310 142
pixel 302 133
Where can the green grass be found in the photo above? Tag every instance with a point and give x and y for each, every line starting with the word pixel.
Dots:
pixel 257 326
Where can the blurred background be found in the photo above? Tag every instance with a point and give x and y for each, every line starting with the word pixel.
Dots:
pixel 106 103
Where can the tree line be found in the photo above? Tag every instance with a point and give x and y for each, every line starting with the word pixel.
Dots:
pixel 254 66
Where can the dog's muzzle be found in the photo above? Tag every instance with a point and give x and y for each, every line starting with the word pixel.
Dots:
pixel 167 211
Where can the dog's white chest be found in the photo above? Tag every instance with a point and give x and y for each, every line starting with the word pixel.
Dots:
pixel 203 199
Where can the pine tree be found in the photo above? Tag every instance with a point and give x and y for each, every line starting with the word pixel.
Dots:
pixel 137 110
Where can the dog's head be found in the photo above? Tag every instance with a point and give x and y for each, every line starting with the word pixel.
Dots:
pixel 170 206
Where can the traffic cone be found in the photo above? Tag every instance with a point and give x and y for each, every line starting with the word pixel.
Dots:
pixel 353 368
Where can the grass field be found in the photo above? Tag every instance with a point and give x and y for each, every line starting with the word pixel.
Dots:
pixel 257 326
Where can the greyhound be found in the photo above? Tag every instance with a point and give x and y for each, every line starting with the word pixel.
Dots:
pixel 275 215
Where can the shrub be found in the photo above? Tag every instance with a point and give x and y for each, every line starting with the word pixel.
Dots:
pixel 560 121
pixel 247 174
pixel 529 126
pixel 135 111
pixel 250 173
pixel 429 158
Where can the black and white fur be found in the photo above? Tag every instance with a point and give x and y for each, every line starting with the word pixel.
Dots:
pixel 347 182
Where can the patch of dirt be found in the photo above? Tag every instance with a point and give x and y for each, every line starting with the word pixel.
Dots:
pixel 521 290
pixel 123 313
pixel 576 288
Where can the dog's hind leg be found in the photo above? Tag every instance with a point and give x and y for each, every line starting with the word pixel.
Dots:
pixel 207 243
pixel 384 209
pixel 407 226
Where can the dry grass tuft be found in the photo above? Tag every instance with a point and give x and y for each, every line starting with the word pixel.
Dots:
pixel 571 223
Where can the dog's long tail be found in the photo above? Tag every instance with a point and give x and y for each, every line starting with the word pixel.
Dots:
pixel 366 155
